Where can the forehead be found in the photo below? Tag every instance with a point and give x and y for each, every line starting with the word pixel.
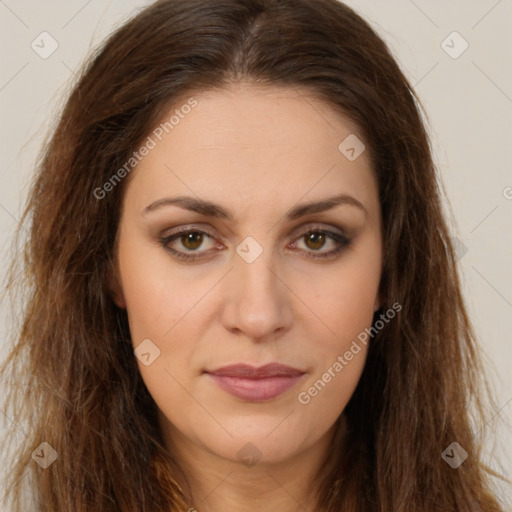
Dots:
pixel 258 116
pixel 250 145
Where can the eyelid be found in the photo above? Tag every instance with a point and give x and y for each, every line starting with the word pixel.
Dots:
pixel 334 233
pixel 317 226
pixel 187 229
pixel 299 231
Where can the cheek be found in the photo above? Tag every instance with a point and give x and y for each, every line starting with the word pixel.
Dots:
pixel 345 304
pixel 164 307
pixel 349 302
pixel 157 296
pixel 324 396
pixel 159 306
pixel 340 353
pixel 342 300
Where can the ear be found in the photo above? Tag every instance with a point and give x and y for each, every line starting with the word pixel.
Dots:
pixel 115 288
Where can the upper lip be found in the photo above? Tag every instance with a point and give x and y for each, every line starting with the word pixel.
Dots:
pixel 251 372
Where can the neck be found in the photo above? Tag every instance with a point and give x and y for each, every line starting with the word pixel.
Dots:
pixel 218 484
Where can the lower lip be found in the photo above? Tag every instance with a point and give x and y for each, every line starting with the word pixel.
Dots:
pixel 256 390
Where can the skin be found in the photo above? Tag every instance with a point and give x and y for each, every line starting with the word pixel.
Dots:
pixel 257 151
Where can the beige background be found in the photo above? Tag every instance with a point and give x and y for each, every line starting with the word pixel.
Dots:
pixel 468 100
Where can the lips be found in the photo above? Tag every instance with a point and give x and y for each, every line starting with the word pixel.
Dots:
pixel 256 384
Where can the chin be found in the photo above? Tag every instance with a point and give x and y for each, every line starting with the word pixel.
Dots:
pixel 260 444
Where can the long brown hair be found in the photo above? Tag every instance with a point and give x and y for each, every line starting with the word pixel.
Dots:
pixel 73 377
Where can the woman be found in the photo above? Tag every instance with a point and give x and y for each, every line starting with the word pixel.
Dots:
pixel 242 288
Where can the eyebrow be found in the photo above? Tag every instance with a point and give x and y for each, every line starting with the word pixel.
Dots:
pixel 210 209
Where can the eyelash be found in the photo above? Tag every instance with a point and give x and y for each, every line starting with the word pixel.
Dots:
pixel 341 239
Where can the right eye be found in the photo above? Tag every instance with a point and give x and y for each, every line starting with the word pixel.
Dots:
pixel 190 241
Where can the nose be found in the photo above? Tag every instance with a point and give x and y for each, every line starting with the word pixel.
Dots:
pixel 257 301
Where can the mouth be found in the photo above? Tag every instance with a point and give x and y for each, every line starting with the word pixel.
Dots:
pixel 253 384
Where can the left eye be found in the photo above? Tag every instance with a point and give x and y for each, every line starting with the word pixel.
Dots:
pixel 314 240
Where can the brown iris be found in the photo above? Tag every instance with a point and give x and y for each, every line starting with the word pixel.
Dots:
pixel 192 240
pixel 315 240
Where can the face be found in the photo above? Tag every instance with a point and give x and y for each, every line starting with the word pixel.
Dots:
pixel 228 254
